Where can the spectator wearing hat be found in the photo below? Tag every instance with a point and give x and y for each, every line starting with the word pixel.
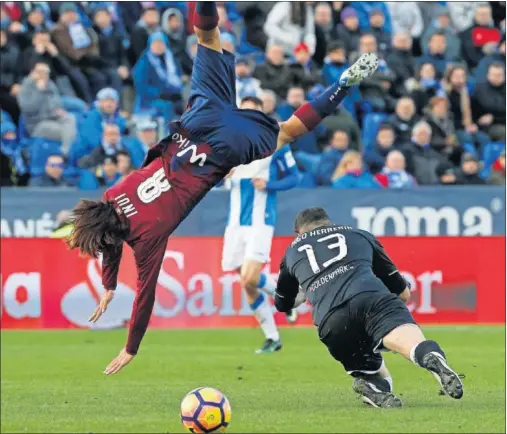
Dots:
pixel 157 78
pixel 442 24
pixel 497 176
pixel 148 24
pixel 488 102
pixel 274 73
pixel 422 160
pixel 42 108
pixel 325 31
pixel 111 47
pixel 480 37
pixel 9 67
pixel 173 25
pixel 384 143
pixel 393 174
pixel 469 171
pixel 288 24
pixel 497 56
pixel 246 85
pixel 446 174
pixel 146 138
pixel 13 169
pixel 401 61
pixel 436 53
pixel 349 31
pixel 378 26
pixel 105 111
pixel 305 73
pixel 53 173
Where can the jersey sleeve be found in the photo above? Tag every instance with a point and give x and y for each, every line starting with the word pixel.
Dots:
pixel 287 168
pixel 287 288
pixel 385 269
pixel 111 259
pixel 149 255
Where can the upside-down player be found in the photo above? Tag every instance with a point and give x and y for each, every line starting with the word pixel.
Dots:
pixel 356 293
pixel 250 228
pixel 212 137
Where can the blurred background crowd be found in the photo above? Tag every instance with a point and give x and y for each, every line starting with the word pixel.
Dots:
pixel 86 88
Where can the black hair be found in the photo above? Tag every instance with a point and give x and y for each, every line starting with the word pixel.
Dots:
pixel 254 100
pixel 309 216
pixel 124 153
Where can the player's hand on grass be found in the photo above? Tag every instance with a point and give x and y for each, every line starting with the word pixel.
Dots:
pixel 102 307
pixel 119 362
pixel 259 183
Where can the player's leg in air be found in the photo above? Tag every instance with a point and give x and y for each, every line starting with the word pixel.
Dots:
pixel 310 114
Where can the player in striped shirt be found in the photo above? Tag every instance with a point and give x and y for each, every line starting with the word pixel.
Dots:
pixel 250 228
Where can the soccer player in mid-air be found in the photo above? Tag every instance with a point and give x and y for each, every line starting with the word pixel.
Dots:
pixel 358 296
pixel 212 137
pixel 250 228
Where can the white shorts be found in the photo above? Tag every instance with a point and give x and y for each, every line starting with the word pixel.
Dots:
pixel 246 242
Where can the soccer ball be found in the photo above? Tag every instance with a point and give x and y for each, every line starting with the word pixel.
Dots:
pixel 205 410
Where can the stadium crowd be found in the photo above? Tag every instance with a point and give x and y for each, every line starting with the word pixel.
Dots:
pixel 86 88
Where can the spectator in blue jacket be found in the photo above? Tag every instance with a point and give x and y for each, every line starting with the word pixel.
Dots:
pixel 11 161
pixel 442 23
pixel 436 53
pixel 157 78
pixel 331 157
pixel 497 56
pixel 350 173
pixel 376 156
pixel 334 65
pixel 364 10
pixel 146 137
pixel 53 174
pixel 105 175
pixel 106 111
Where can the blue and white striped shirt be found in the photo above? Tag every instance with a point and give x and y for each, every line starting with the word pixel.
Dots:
pixel 249 206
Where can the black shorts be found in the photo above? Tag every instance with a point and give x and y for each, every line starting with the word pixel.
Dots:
pixel 354 331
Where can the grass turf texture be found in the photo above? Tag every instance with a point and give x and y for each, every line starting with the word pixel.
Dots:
pixel 52 381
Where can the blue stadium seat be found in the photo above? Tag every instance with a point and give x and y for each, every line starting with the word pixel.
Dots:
pixel 490 153
pixel 41 149
pixel 371 125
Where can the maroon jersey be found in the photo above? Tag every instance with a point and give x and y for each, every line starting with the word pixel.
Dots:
pixel 155 199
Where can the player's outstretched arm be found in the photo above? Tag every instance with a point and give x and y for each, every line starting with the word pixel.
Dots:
pixel 206 25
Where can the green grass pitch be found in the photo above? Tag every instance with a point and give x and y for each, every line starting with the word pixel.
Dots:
pixel 52 382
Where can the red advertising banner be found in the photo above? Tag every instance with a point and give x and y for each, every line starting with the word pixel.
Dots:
pixel 454 280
